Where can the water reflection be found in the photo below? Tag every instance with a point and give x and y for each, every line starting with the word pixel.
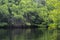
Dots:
pixel 26 34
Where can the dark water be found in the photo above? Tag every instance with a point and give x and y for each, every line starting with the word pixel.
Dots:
pixel 28 34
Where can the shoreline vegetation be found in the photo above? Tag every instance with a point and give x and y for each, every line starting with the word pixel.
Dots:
pixel 29 19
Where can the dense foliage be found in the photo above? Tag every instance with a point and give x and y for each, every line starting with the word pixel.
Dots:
pixel 43 14
pixel 30 12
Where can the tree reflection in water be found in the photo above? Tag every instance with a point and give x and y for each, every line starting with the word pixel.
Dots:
pixel 17 34
pixel 25 34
